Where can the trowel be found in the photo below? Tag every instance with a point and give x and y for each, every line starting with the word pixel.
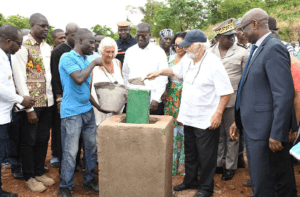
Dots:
pixel 137 81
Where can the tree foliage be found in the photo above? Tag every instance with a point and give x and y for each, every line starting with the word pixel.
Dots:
pixel 22 22
pixel 106 31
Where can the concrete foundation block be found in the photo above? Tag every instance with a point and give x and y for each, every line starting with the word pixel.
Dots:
pixel 135 160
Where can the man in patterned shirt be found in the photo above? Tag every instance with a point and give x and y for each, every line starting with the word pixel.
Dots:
pixel 31 69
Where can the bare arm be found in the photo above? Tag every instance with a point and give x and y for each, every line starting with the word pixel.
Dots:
pixel 164 72
pixel 215 120
pixel 80 76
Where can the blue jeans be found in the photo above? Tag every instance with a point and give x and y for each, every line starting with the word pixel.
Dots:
pixel 71 129
pixel 3 139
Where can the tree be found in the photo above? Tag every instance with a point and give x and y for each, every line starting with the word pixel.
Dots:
pixel 22 22
pixel 106 31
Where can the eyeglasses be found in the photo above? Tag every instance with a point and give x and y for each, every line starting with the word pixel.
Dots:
pixel 43 26
pixel 242 28
pixel 19 43
pixel 176 45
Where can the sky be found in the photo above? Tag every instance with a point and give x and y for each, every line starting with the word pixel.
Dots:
pixel 86 13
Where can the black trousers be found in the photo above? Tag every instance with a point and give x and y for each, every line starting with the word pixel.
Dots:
pixel 201 150
pixel 285 184
pixel 35 142
pixel 56 138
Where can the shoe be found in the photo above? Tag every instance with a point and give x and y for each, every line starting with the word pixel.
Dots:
pixel 47 181
pixel 92 185
pixel 241 162
pixel 8 194
pixel 247 183
pixel 6 165
pixel 64 192
pixel 219 170
pixel 35 186
pixel 201 194
pixel 54 162
pixel 46 169
pixel 182 186
pixel 18 175
pixel 227 175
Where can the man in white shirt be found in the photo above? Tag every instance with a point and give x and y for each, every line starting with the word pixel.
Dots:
pixel 31 69
pixel 10 42
pixel 143 58
pixel 206 93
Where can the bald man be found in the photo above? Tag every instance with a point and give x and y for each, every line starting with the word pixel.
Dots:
pixel 264 102
pixel 32 75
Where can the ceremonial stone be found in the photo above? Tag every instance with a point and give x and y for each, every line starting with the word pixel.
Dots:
pixel 138 106
pixel 135 159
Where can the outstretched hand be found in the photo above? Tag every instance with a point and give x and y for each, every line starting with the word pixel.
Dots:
pixel 152 75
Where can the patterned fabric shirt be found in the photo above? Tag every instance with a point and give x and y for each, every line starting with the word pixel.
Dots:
pixel 32 73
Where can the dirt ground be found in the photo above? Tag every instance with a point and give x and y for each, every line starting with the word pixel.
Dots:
pixel 230 188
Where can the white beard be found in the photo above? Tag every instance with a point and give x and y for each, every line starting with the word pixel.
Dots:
pixel 193 55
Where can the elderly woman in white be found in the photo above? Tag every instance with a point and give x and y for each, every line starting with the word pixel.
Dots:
pixel 110 72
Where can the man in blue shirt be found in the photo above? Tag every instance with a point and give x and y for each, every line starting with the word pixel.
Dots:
pixel 77 115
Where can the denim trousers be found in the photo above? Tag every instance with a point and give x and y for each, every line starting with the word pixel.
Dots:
pixel 3 139
pixel 72 128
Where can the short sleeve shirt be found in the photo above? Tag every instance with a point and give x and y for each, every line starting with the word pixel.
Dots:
pixel 203 85
pixel 76 98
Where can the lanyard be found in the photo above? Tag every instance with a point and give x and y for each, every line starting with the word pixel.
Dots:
pixel 197 71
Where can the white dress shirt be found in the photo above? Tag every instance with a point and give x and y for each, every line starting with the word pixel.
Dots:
pixel 19 61
pixel 8 95
pixel 203 85
pixel 139 62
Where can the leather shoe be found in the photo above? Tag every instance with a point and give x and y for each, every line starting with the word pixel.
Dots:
pixel 8 194
pixel 201 194
pixel 247 183
pixel 219 170
pixel 92 185
pixel 64 192
pixel 18 175
pixel 227 175
pixel 182 186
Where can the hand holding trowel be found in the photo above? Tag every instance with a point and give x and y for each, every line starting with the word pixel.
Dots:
pixel 137 81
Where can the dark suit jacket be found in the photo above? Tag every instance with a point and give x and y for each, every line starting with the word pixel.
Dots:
pixel 267 95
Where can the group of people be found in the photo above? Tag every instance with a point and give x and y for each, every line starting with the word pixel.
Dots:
pixel 240 92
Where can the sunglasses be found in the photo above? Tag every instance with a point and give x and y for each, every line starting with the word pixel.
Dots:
pixel 19 43
pixel 43 26
pixel 176 45
pixel 228 36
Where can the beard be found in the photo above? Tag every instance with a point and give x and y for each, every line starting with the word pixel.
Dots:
pixel 193 55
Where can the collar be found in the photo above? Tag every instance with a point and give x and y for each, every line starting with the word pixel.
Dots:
pixel 3 55
pixel 33 41
pixel 76 54
pixel 127 41
pixel 260 41
pixel 148 47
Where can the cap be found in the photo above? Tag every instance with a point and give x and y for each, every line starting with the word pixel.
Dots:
pixel 166 32
pixel 238 22
pixel 225 28
pixel 272 23
pixel 123 24
pixel 192 36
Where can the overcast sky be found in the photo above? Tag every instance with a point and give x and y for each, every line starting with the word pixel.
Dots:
pixel 86 13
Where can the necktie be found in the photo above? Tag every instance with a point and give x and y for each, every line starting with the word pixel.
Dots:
pixel 238 98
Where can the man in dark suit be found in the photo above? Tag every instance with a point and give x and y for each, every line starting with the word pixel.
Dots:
pixel 264 102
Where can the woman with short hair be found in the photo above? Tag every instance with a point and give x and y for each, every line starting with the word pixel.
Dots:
pixel 111 71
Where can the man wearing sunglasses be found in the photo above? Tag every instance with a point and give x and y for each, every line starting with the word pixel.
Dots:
pixel 234 58
pixel 264 104
pixel 32 74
